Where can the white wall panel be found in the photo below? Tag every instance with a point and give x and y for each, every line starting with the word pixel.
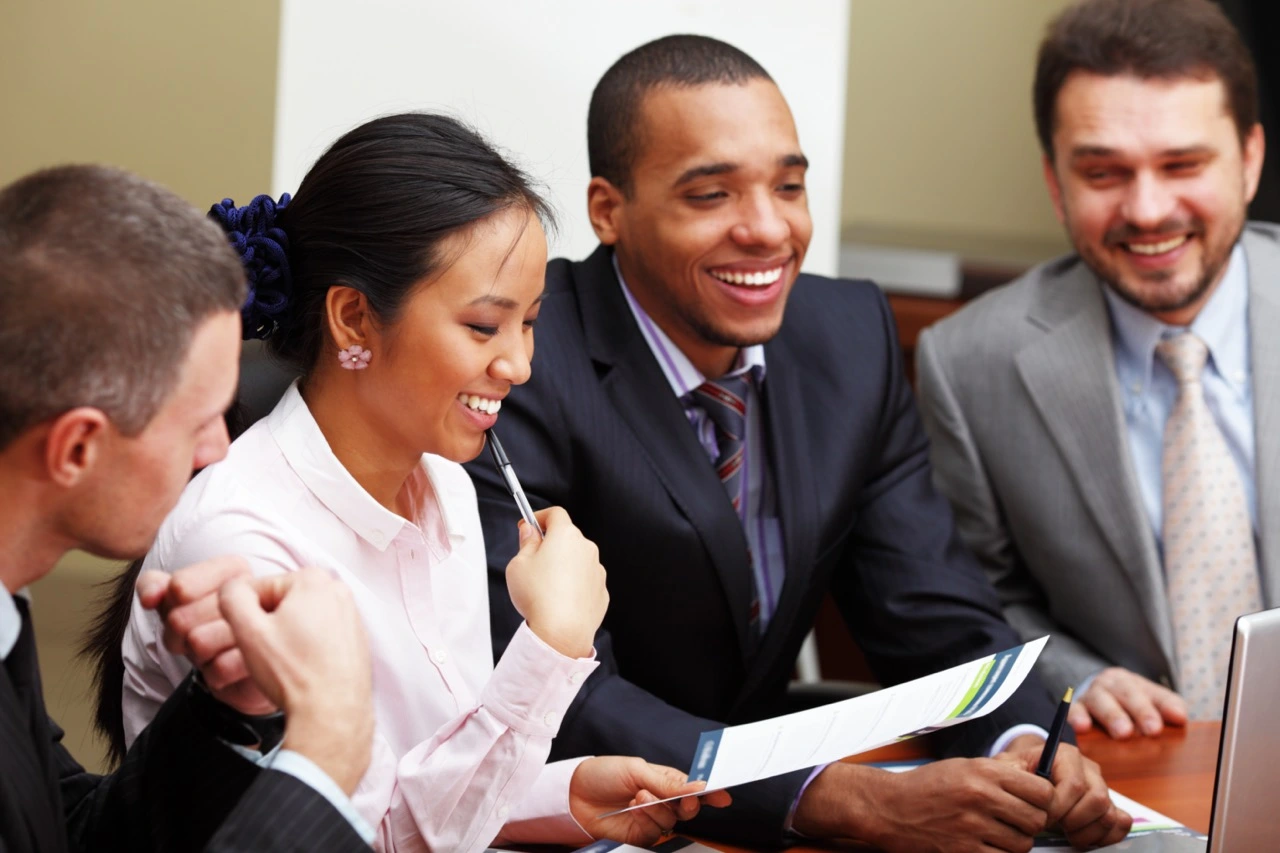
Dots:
pixel 522 72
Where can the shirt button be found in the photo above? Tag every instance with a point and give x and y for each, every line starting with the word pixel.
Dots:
pixel 377 538
pixel 439 656
pixel 550 718
pixel 575 678
pixel 502 813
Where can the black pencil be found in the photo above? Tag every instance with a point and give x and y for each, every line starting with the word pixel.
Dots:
pixel 1055 736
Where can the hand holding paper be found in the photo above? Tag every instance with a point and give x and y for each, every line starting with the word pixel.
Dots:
pixel 741 754
pixel 609 782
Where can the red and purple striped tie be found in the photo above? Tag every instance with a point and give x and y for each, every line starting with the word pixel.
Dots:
pixel 725 402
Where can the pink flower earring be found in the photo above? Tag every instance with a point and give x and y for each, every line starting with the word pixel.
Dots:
pixel 354 357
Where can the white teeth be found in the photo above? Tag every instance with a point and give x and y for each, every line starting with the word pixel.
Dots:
pixel 750 279
pixel 1157 248
pixel 480 404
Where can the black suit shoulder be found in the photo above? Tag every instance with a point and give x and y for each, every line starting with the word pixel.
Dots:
pixel 180 789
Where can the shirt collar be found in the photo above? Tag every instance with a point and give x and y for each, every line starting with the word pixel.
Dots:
pixel 10 623
pixel 307 451
pixel 676 366
pixel 1222 324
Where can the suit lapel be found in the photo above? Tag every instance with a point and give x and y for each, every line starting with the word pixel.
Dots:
pixel 1263 254
pixel 26 762
pixel 792 468
pixel 1070 375
pixel 639 390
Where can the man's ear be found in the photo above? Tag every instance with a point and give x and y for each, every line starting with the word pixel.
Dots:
pixel 604 207
pixel 75 444
pixel 350 320
pixel 1054 187
pixel 1255 149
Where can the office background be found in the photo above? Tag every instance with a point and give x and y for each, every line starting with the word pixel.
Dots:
pixel 940 162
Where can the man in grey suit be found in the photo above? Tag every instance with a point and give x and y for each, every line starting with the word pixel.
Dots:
pixel 1106 425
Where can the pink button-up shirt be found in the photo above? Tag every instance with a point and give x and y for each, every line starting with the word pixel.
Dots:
pixel 460 744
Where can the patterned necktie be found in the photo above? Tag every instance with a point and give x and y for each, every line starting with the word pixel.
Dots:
pixel 1210 568
pixel 725 402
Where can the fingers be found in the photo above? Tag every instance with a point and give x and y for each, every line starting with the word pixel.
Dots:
pixel 225 670
pixel 1107 711
pixel 240 605
pixel 271 589
pixel 1004 837
pixel 717 799
pixel 1080 786
pixel 1079 718
pixel 1027 787
pixel 1172 707
pixel 552 517
pixel 210 640
pixel 205 578
pixel 656 821
pixel 185 619
pixel 152 587
pixel 665 781
pixel 1070 782
pixel 1134 694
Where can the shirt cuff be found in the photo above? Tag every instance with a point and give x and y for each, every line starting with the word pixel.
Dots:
pixel 533 685
pixel 1002 742
pixel 308 773
pixel 1084 686
pixel 544 813
pixel 795 804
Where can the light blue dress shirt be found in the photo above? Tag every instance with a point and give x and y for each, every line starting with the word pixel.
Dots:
pixel 286 761
pixel 1148 390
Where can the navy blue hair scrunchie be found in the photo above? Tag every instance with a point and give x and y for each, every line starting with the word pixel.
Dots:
pixel 264 250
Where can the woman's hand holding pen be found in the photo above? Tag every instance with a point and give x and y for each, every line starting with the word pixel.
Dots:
pixel 558 585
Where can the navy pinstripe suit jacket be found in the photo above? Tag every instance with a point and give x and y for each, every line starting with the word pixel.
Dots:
pixel 598 431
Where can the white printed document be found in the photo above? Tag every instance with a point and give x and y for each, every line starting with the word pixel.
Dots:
pixel 741 754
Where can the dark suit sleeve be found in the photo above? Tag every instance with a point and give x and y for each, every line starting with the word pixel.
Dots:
pixel 914 599
pixel 610 716
pixel 179 788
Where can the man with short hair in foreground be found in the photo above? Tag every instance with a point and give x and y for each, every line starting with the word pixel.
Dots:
pixel 118 354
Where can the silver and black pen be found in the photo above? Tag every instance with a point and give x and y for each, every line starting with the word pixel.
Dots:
pixel 509 476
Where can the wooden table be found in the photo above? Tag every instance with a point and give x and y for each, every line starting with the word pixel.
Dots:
pixel 1172 774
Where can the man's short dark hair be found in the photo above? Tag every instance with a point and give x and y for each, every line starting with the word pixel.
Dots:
pixel 104 278
pixel 613 129
pixel 1149 39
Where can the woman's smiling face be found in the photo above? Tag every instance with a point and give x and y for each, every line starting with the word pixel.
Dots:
pixel 462 338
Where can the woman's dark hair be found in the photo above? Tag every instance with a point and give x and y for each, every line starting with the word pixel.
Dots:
pixel 371 214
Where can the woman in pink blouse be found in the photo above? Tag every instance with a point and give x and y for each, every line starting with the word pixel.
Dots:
pixel 403 283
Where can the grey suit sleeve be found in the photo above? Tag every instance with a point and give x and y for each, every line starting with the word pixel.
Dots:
pixel 959 473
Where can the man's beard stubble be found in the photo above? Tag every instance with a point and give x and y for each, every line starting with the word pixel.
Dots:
pixel 1211 268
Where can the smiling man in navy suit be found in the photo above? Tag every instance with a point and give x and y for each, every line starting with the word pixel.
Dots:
pixel 740 440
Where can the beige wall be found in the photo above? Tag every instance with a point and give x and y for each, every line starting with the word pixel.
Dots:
pixel 183 93
pixel 940 146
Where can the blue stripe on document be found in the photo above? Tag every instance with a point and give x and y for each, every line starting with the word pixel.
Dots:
pixel 704 758
pixel 999 671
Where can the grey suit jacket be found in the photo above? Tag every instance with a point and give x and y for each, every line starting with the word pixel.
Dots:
pixel 1019 397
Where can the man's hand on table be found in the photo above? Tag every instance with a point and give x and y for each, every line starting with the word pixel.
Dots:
pixel 1081 805
pixel 1122 702
pixel 958 805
